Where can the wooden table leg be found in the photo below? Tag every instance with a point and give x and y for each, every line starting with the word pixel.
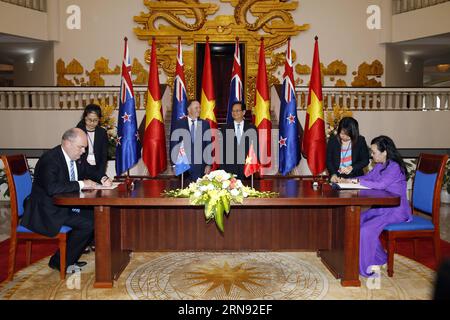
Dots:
pixel 350 277
pixel 343 258
pixel 110 259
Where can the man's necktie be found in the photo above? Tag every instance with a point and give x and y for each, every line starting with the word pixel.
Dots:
pixel 193 131
pixel 73 178
pixel 238 133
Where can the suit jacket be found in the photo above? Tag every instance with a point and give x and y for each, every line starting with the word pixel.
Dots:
pixel 234 155
pixel 100 148
pixel 360 157
pixel 51 177
pixel 194 150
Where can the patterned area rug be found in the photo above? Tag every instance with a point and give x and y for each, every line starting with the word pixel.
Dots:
pixel 262 276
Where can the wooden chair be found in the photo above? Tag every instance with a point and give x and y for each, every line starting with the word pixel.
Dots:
pixel 19 181
pixel 426 199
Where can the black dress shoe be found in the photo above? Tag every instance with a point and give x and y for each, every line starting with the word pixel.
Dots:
pixel 92 248
pixel 87 250
pixel 54 266
pixel 80 263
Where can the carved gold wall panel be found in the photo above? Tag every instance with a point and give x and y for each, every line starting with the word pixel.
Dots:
pixel 95 77
pixel 364 71
pixel 190 19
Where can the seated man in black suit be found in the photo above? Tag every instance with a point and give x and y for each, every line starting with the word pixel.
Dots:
pixel 195 135
pixel 237 138
pixel 60 170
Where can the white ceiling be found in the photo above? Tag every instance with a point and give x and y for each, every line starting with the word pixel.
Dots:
pixel 13 47
pixel 432 50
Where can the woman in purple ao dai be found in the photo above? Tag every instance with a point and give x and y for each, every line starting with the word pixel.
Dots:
pixel 389 174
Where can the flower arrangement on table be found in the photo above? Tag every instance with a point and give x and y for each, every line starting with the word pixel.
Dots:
pixel 217 191
pixel 334 117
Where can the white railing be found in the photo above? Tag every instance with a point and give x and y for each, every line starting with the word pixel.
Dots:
pixel 381 99
pixel 357 99
pixel 401 6
pixel 63 98
pixel 40 5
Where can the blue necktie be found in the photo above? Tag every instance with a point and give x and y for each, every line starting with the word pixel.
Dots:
pixel 193 131
pixel 73 178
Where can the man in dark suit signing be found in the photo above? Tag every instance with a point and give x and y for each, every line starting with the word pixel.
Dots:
pixel 60 170
pixel 195 136
pixel 237 138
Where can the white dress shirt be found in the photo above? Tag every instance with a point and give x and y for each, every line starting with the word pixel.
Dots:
pixel 66 157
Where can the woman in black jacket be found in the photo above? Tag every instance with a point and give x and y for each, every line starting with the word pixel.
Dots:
pixel 347 152
pixel 97 152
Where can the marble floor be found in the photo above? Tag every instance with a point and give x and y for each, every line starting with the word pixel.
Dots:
pixel 220 276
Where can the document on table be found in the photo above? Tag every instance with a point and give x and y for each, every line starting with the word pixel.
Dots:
pixel 100 187
pixel 348 186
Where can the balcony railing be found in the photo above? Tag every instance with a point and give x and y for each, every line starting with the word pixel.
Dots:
pixel 381 99
pixel 39 5
pixel 401 6
pixel 355 99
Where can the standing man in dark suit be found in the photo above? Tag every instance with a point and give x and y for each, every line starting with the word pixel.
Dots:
pixel 237 138
pixel 195 135
pixel 60 170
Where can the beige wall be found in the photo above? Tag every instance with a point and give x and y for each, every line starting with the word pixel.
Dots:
pixel 421 23
pixel 414 129
pixel 23 22
pixel 341 26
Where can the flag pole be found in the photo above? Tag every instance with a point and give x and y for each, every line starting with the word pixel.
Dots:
pixel 252 181
pixel 182 180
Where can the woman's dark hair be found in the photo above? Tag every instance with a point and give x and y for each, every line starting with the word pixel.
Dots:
pixel 91 108
pixel 350 127
pixel 385 143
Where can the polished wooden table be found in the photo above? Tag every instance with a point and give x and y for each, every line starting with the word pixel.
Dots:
pixel 325 221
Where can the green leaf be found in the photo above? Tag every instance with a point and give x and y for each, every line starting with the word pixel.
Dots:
pixel 219 216
pixel 209 210
pixel 226 204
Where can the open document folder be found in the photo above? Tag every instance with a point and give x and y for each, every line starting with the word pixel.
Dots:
pixel 347 186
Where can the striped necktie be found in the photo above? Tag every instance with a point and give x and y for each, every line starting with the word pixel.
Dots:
pixel 73 178
pixel 72 171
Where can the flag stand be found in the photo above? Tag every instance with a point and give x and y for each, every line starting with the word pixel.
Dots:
pixel 129 182
pixel 315 184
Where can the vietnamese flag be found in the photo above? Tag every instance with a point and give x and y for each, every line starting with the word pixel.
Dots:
pixel 314 142
pixel 154 147
pixel 251 162
pixel 263 120
pixel 208 102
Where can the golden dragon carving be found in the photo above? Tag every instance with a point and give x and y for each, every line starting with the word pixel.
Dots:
pixel 170 10
pixel 266 11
